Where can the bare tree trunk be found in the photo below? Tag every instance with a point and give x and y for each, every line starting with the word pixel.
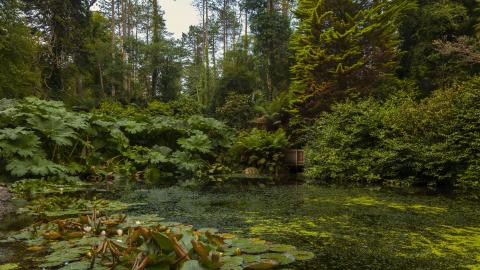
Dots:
pixel 155 39
pixel 285 7
pixel 113 45
pixel 245 42
pixel 124 53
pixel 206 48
pixel 214 59
pixel 269 56
pixel 225 25
pixel 100 73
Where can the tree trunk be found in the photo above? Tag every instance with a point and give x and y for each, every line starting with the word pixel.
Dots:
pixel 225 25
pixel 100 73
pixel 206 50
pixel 245 42
pixel 155 40
pixel 113 46
pixel 124 53
pixel 270 55
pixel 285 7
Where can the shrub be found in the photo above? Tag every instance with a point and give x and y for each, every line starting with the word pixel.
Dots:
pixel 432 142
pixel 260 149
pixel 236 110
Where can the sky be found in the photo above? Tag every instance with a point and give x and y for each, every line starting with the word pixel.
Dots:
pixel 179 15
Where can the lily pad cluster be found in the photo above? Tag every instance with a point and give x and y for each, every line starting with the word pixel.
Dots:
pixel 147 242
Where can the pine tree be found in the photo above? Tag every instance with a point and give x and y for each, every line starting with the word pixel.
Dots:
pixel 342 47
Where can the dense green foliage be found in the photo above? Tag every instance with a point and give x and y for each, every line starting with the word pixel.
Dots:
pixel 342 48
pixel 260 149
pixel 97 96
pixel 42 138
pixel 436 20
pixel 268 69
pixel 19 74
pixel 401 141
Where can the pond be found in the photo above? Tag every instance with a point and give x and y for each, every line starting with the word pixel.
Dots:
pixel 346 228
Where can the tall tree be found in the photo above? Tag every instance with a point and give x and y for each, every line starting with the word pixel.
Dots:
pixel 206 78
pixel 113 47
pixel 156 39
pixel 62 24
pixel 420 27
pixel 19 70
pixel 342 47
pixel 272 32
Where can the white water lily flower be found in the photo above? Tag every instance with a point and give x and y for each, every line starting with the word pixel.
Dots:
pixel 138 222
pixel 103 233
pixel 87 229
pixel 120 232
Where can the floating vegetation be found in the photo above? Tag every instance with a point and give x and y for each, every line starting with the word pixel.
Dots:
pixel 57 206
pixel 137 242
pixel 34 187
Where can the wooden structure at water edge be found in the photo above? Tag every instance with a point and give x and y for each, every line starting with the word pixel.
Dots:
pixel 295 157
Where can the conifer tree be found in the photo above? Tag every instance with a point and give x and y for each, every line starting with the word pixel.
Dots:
pixel 342 47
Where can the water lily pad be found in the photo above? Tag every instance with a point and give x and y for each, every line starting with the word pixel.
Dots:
pixel 192 265
pixel 62 256
pixel 232 260
pixel 302 255
pixel 76 265
pixel 263 264
pixel 281 248
pixel 231 263
pixel 231 251
pixel 247 259
pixel 231 267
pixel 282 258
pixel 227 235
pixel 254 249
pixel 210 230
pixel 239 242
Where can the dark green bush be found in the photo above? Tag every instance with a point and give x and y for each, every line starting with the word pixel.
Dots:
pixel 260 149
pixel 433 142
